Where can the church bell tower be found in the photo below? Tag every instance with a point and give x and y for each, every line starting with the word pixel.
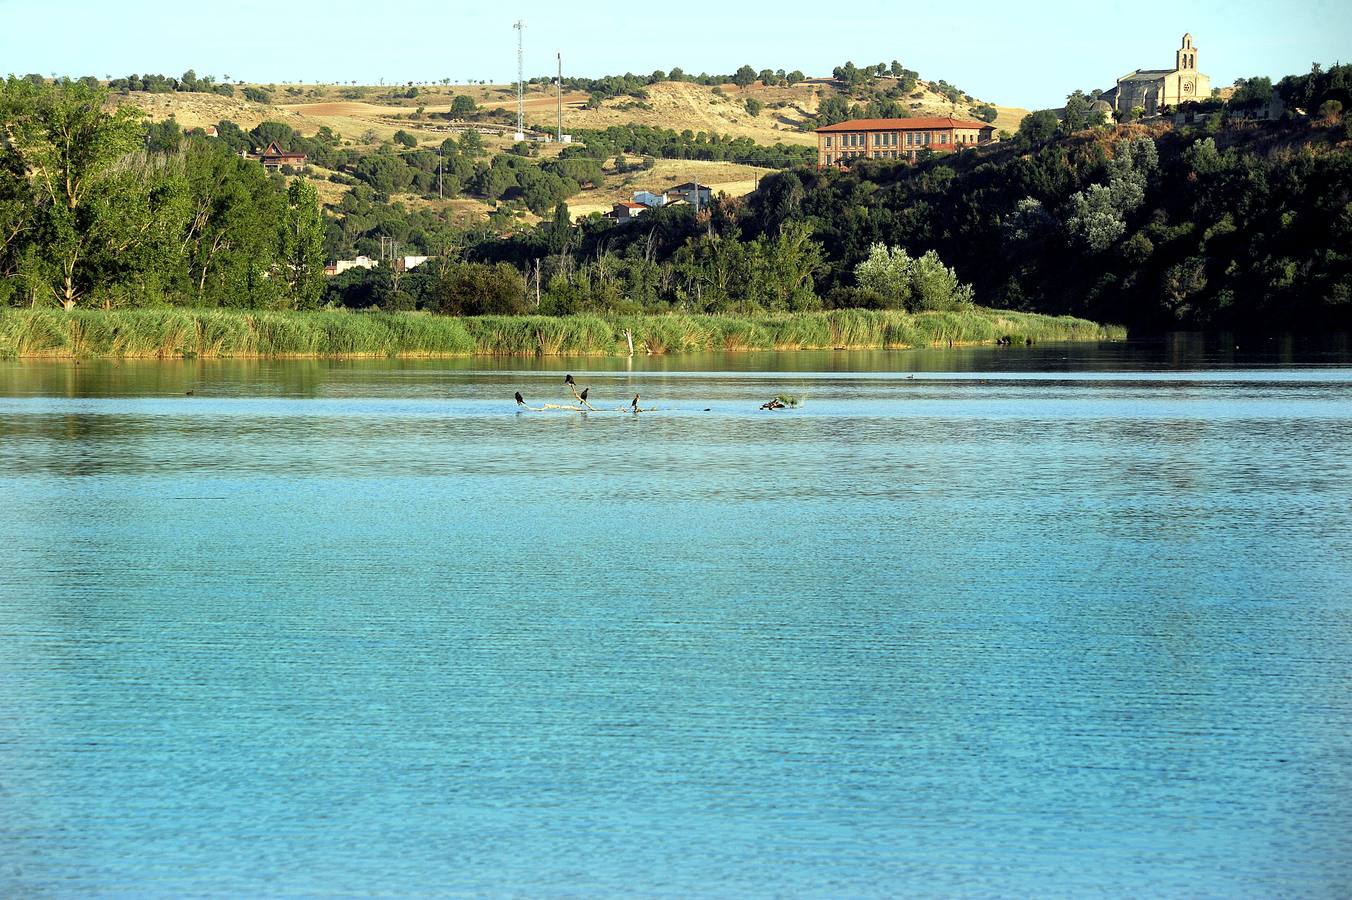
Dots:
pixel 1187 56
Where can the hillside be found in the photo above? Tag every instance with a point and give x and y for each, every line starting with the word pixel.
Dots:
pixel 366 117
pixel 356 112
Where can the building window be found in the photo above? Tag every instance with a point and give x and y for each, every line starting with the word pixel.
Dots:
pixel 828 140
pixel 828 159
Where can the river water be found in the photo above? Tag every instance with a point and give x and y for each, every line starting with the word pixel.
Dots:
pixel 985 622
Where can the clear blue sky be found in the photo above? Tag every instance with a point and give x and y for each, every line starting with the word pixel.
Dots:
pixel 1020 54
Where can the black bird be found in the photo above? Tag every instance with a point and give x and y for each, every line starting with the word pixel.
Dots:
pixel 634 405
pixel 520 401
pixel 568 379
pixel 583 395
pixel 187 393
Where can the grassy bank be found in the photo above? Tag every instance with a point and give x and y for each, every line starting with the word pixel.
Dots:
pixel 174 332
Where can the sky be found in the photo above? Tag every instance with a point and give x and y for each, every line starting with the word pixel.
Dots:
pixel 1010 53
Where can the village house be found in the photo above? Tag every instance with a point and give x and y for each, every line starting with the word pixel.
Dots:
pixel 650 200
pixel 1150 90
pixel 626 211
pixel 699 195
pixel 897 138
pixel 398 263
pixel 274 157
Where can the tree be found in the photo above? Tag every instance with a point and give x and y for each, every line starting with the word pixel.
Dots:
pixel 68 146
pixel 912 283
pixel 986 112
pixel 754 107
pixel 476 289
pixel 744 77
pixel 471 145
pixel 303 244
pixel 404 139
pixel 1076 113
pixel 1038 128
pixel 462 107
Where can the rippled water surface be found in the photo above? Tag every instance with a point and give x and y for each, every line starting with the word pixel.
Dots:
pixel 1048 621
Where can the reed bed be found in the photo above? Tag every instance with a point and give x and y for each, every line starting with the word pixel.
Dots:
pixel 171 332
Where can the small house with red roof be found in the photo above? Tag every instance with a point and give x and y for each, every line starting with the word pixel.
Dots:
pixel 898 138
pixel 626 211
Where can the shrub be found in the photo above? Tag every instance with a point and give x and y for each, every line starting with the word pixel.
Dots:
pixel 478 289
pixel 901 281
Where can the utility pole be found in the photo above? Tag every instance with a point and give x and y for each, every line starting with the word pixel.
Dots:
pixel 520 27
pixel 440 194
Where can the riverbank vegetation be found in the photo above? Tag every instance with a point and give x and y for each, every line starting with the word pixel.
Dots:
pixel 1207 223
pixel 172 333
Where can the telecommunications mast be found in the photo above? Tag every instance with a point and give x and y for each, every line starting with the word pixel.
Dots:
pixel 520 27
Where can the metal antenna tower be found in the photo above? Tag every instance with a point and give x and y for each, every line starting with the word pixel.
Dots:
pixel 520 27
pixel 559 95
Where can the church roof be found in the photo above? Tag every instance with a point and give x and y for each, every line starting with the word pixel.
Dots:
pixel 1147 74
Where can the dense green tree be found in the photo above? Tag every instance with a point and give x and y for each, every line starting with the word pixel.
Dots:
pixel 476 289
pixel 1038 128
pixel 744 77
pixel 303 244
pixel 70 152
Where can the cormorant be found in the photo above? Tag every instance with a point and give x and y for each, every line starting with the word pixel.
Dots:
pixel 568 379
pixel 520 401
pixel 583 395
pixel 634 405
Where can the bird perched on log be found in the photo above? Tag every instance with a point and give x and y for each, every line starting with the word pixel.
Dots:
pixel 583 396
pixel 520 401
pixel 568 379
pixel 634 405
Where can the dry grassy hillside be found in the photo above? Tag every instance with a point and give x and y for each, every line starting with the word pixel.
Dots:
pixel 364 116
pixel 358 112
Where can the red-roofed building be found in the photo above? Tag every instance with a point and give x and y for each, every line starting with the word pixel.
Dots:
pixel 274 157
pixel 625 211
pixel 897 138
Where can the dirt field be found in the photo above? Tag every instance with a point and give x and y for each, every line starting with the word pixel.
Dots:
pixel 732 179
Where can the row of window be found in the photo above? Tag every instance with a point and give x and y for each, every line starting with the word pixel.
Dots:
pixel 890 139
pixel 876 154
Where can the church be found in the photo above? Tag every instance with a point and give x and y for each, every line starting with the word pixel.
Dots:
pixel 1151 89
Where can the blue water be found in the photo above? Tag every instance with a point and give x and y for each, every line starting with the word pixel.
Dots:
pixel 1064 621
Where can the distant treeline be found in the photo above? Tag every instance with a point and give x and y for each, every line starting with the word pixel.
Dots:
pixel 636 86
pixel 666 143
